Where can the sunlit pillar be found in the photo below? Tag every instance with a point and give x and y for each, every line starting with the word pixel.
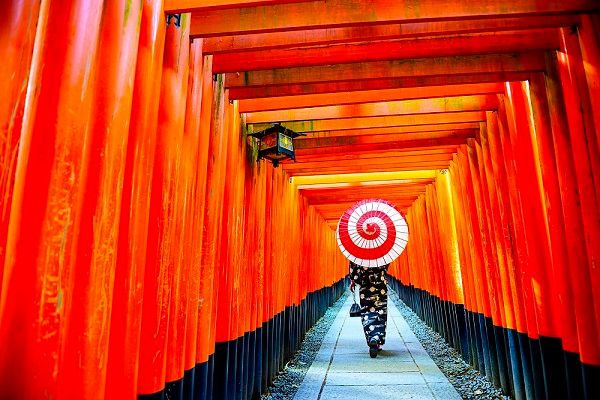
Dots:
pixel 17 37
pixel 126 316
pixel 51 172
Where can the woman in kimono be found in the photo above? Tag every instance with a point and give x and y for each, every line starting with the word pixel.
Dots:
pixel 373 302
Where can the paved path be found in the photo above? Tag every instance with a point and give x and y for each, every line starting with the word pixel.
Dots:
pixel 343 369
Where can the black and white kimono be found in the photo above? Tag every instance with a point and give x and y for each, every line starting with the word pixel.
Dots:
pixel 373 299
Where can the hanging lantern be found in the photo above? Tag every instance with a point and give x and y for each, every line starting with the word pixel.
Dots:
pixel 276 143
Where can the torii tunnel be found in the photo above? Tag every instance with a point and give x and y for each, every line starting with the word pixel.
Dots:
pixel 145 253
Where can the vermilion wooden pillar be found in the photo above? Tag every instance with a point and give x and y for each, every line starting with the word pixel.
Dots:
pixel 477 257
pixel 453 282
pixel 268 277
pixel 489 262
pixel 433 216
pixel 469 297
pixel 497 234
pixel 533 200
pixel 432 273
pixel 225 371
pixel 83 364
pixel 214 209
pixel 449 236
pixel 163 237
pixel 497 260
pixel 17 37
pixel 259 252
pixel 480 279
pixel 499 270
pixel 126 317
pixel 439 253
pixel 198 138
pixel 276 261
pixel 36 299
pixel 527 256
pixel 246 334
pixel 241 290
pixel 446 236
pixel 579 105
pixel 182 178
pixel 507 156
pixel 506 252
pixel 250 261
pixel 586 152
pixel 542 136
pixel 459 235
pixel 531 194
pixel 570 191
pixel 552 347
pixel 589 40
pixel 473 246
pixel 496 156
pixel 430 250
pixel 206 300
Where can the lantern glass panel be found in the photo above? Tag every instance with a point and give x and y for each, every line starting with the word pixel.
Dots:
pixel 286 142
pixel 268 142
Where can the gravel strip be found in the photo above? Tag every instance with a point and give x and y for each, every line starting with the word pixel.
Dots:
pixel 288 381
pixel 467 381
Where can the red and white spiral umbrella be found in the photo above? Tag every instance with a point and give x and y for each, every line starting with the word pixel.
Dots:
pixel 372 233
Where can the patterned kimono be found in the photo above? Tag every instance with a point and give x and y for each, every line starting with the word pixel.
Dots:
pixel 373 299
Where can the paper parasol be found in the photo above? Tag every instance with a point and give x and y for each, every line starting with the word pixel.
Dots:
pixel 372 233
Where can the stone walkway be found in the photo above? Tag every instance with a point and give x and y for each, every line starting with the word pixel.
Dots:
pixel 343 369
